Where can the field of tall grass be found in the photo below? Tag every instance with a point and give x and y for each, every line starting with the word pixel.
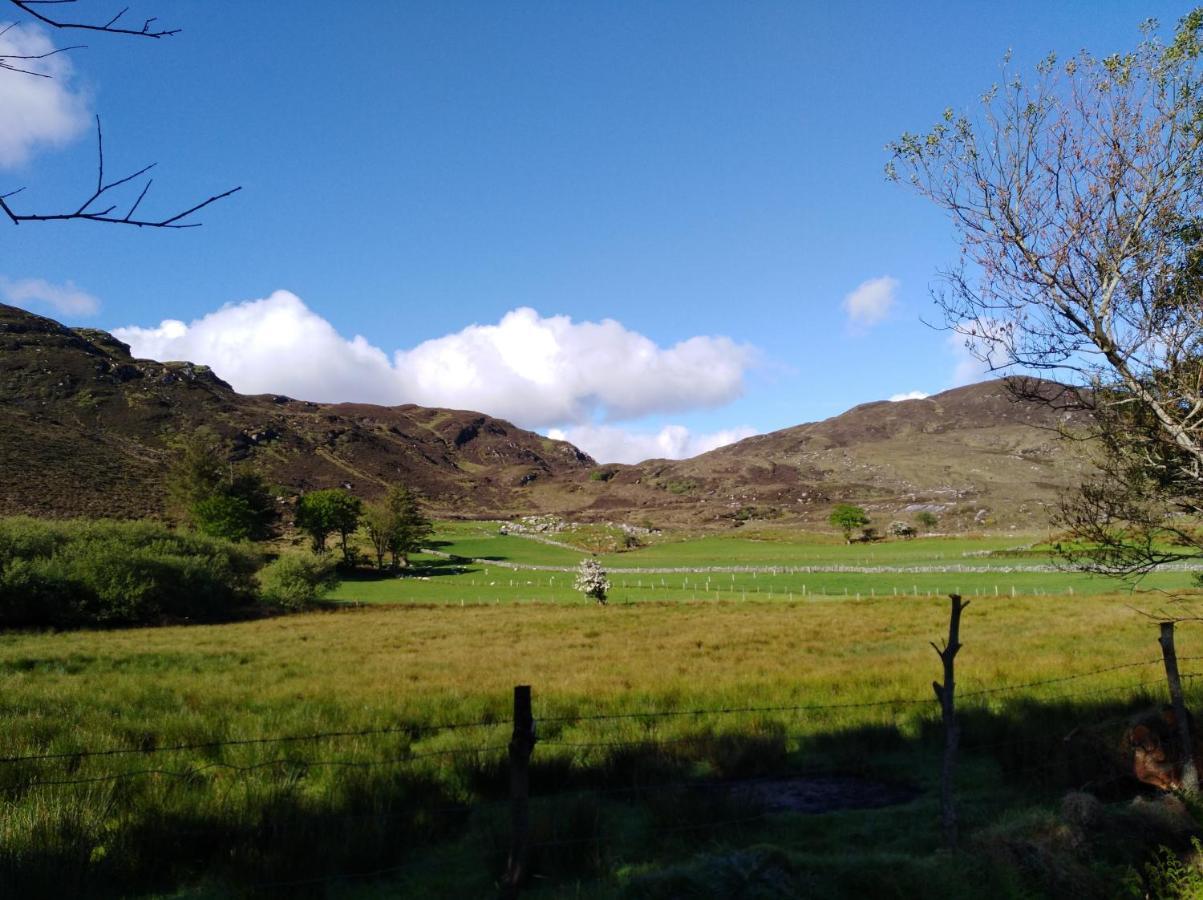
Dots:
pixel 370 795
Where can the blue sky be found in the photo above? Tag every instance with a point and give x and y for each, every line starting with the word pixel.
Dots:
pixel 706 175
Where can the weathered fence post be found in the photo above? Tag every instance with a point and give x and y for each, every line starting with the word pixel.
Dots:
pixel 522 742
pixel 1190 775
pixel 945 693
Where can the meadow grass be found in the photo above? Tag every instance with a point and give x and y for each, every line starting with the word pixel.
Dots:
pixel 928 567
pixel 220 819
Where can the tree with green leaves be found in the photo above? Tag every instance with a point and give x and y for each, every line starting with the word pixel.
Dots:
pixel 205 490
pixel 847 518
pixel 926 519
pixel 326 512
pixel 1075 196
pixel 396 526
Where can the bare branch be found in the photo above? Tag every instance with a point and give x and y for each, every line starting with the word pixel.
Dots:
pixel 109 214
pixel 109 27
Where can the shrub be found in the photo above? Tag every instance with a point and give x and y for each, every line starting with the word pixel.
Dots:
pixel 224 516
pixel 591 580
pixel 74 573
pixel 295 581
pixel 680 487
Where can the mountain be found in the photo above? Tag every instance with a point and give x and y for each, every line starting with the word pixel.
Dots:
pixel 972 455
pixel 84 429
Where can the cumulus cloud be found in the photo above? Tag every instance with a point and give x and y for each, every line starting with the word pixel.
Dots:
pixel 871 301
pixel 610 444
pixel 65 299
pixel 537 371
pixel 546 371
pixel 36 111
pixel 911 395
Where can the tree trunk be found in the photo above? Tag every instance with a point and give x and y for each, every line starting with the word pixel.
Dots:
pixel 946 694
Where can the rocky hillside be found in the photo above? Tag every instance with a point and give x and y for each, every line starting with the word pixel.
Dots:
pixel 84 430
pixel 84 426
pixel 973 456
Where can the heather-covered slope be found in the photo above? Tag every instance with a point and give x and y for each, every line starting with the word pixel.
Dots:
pixel 83 429
pixel 972 455
pixel 84 426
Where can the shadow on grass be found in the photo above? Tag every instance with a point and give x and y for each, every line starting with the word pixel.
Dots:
pixel 425 568
pixel 625 814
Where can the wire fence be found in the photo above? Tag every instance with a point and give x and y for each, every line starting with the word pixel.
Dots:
pixel 416 730
pixel 556 777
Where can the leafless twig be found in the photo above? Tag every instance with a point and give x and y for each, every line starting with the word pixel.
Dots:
pixel 148 28
pixel 86 212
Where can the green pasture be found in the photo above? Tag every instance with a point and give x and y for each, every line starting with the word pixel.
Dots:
pixel 769 547
pixel 777 557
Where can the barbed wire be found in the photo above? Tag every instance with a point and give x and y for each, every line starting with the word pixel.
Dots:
pixel 194 771
pixel 1079 675
pixel 416 729
pixel 732 710
pixel 412 729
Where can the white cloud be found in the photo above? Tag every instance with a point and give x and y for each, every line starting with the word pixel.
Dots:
pixel 973 340
pixel 609 444
pixel 872 301
pixel 537 371
pixel 912 395
pixel 65 299
pixel 36 111
pixel 545 371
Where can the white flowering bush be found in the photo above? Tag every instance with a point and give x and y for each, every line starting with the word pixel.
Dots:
pixel 591 580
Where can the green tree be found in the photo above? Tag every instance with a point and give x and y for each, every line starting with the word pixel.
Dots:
pixel 396 526
pixel 377 521
pixel 198 464
pixel 326 512
pixel 205 490
pixel 847 518
pixel 926 519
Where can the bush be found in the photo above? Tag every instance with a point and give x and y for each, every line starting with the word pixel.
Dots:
pixel 74 573
pixel 295 581
pixel 591 580
pixel 224 516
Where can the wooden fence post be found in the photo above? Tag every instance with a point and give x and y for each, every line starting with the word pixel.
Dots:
pixel 1190 775
pixel 522 742
pixel 945 693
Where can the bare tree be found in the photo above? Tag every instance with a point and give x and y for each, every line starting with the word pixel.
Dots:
pixel 97 207
pixel 1077 196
